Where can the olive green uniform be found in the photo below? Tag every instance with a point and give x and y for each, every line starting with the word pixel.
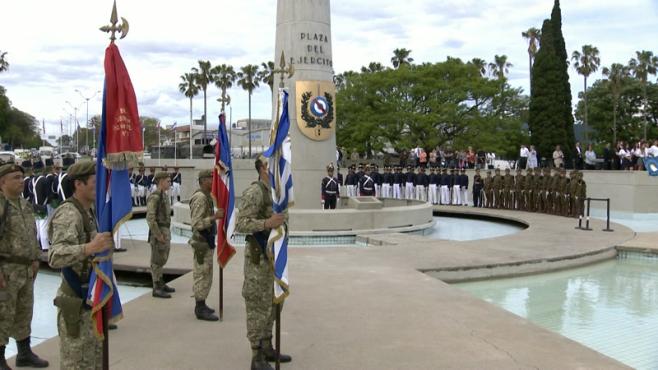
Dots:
pixel 69 231
pixel 489 191
pixel 19 248
pixel 519 192
pixel 158 218
pixel 203 223
pixel 498 190
pixel 508 191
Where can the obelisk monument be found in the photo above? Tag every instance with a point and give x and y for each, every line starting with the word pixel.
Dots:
pixel 303 34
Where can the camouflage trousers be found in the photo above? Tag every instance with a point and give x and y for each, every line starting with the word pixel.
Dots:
pixel 202 275
pixel 16 307
pixel 84 352
pixel 258 293
pixel 159 255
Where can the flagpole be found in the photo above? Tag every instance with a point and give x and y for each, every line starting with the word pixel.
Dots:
pixel 106 340
pixel 278 337
pixel 159 146
pixel 221 269
pixel 175 157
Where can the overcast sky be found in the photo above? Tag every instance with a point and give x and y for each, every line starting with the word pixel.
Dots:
pixel 54 47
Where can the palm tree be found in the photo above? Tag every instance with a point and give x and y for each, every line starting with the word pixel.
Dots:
pixel 190 89
pixel 372 68
pixel 224 76
pixel 500 67
pixel 617 75
pixel 248 80
pixel 203 78
pixel 266 75
pixel 480 64
pixel 533 35
pixel 645 65
pixel 4 64
pixel 586 63
pixel 401 57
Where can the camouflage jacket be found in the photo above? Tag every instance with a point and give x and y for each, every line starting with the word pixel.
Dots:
pixel 255 208
pixel 519 182
pixel 508 182
pixel 498 182
pixel 68 237
pixel 158 212
pixel 19 232
pixel 202 211
pixel 581 189
pixel 488 183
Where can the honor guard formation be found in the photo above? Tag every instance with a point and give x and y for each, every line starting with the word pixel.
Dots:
pixel 540 190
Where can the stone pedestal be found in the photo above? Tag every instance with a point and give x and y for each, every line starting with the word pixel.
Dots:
pixel 303 33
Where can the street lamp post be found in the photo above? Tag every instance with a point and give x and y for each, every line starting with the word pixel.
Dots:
pixel 77 126
pixel 87 131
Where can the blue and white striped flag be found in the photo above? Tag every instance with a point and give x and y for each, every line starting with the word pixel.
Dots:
pixel 280 169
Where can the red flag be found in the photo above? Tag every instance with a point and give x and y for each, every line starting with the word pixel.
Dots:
pixel 223 193
pixel 124 134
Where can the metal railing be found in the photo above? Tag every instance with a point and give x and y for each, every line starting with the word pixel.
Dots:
pixel 589 202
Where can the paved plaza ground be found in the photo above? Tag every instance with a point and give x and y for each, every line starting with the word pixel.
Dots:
pixel 377 307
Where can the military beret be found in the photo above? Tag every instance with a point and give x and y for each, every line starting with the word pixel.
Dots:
pixel 205 173
pixel 38 165
pixel 161 175
pixel 26 164
pixel 81 169
pixel 9 168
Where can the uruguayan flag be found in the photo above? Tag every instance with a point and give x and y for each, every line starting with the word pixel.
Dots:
pixel 280 169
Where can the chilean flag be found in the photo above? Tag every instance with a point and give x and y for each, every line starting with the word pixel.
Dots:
pixel 224 194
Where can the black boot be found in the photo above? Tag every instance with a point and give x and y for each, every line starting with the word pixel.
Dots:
pixel 26 357
pixel 159 292
pixel 3 362
pixel 207 308
pixel 203 314
pixel 270 353
pixel 166 287
pixel 258 361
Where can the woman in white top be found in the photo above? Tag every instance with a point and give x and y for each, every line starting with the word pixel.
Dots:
pixel 624 157
pixel 590 158
pixel 558 157
pixel 532 157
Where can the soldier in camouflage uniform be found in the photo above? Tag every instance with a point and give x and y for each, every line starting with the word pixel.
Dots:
pixel 519 190
pixel 508 190
pixel 204 230
pixel 498 189
pixel 19 253
pixel 488 190
pixel 529 188
pixel 573 184
pixel 256 220
pixel 564 193
pixel 581 194
pixel 540 193
pixel 74 237
pixel 158 218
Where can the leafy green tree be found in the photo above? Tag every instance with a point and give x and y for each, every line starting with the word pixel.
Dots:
pixel 17 128
pixel 533 36
pixel 189 88
pixel 203 78
pixel 617 75
pixel 586 63
pixel 401 58
pixel 4 64
pixel 224 76
pixel 248 80
pixel 447 103
pixel 645 65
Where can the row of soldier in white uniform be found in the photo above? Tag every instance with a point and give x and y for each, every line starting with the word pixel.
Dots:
pixel 142 185
pixel 42 187
pixel 437 187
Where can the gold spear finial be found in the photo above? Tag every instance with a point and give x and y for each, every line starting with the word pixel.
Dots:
pixel 113 28
pixel 283 70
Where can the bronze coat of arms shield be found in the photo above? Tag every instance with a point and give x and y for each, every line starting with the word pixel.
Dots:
pixel 316 110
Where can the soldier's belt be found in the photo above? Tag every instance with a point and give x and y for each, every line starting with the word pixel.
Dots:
pixel 17 259
pixel 164 225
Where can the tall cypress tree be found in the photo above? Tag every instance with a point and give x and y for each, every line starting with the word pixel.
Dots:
pixel 546 113
pixel 564 101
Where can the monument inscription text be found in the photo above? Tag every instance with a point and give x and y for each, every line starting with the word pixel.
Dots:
pixel 316 44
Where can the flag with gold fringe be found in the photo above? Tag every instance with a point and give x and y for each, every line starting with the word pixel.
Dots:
pixel 120 147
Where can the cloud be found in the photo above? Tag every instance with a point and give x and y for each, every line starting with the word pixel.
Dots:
pixel 453 43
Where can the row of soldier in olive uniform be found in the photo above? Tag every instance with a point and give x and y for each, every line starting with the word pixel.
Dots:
pixel 539 191
pixel 437 187
pixel 142 185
